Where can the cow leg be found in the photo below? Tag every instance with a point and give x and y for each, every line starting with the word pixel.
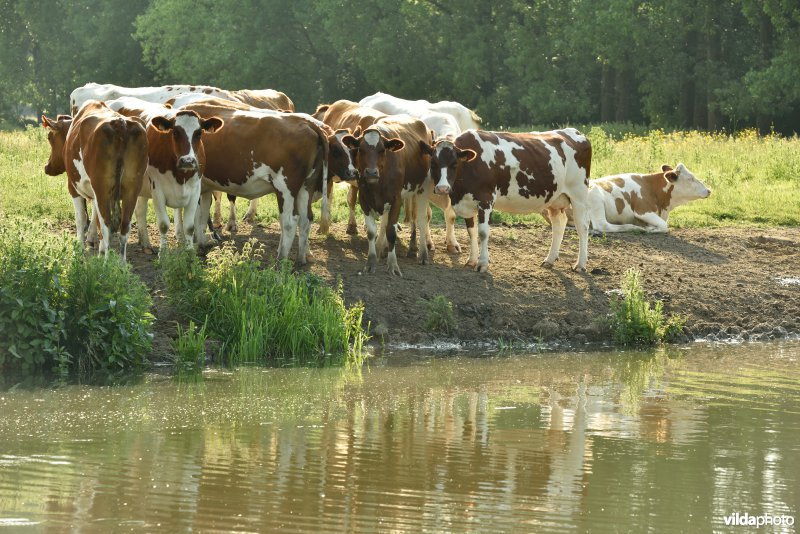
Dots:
pixel 177 215
pixel 93 230
pixel 428 237
pixel 304 222
pixel 252 212
pixel 580 217
pixel 383 247
pixel 217 209
pixel 231 225
pixel 105 240
pixel 655 224
pixel 141 224
pixel 410 205
pixel 473 242
pixel 422 220
pixel 200 218
pixel 450 224
pixel 289 220
pixel 391 237
pixel 372 232
pixel 352 198
pixel 325 216
pixel 484 216
pixel 558 223
pixel 81 218
pixel 188 220
pixel 160 207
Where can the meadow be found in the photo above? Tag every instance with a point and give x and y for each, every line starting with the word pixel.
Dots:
pixel 754 178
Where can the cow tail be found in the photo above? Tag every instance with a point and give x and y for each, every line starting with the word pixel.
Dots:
pixel 115 200
pixel 475 117
pixel 321 163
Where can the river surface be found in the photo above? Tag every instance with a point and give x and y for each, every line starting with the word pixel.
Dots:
pixel 668 441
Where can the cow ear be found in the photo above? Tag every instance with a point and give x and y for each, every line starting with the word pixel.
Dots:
pixel 426 148
pixel 350 141
pixel 466 154
pixel 357 132
pixel 47 123
pixel 672 176
pixel 64 118
pixel 162 124
pixel 394 144
pixel 212 124
pixel 665 168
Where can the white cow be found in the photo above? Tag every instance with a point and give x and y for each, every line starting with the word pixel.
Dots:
pixel 156 95
pixel 626 202
pixel 391 105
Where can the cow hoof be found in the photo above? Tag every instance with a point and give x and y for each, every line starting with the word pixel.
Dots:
pixel 546 264
pixel 471 263
pixel 249 218
pixel 482 268
pixel 324 228
pixel 454 249
pixel 424 259
pixel 412 253
pixel 431 247
pixel 231 228
pixel 395 271
pixel 578 268
pixel 148 250
pixel 372 264
pixel 352 229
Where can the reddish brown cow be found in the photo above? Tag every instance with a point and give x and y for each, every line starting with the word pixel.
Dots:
pixel 264 99
pixel 518 173
pixel 105 156
pixel 348 115
pixel 258 153
pixel 393 160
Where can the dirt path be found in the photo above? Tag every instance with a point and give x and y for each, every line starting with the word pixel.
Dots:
pixel 729 282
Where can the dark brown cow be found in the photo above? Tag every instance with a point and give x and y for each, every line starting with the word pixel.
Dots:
pixel 393 160
pixel 259 153
pixel 105 156
pixel 518 173
pixel 176 162
pixel 348 115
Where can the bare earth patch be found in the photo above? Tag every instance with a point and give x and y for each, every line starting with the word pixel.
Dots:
pixel 727 281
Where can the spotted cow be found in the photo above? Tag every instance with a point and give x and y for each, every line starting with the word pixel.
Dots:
pixel 105 157
pixel 176 162
pixel 518 173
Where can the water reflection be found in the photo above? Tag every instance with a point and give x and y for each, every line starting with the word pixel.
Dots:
pixel 611 441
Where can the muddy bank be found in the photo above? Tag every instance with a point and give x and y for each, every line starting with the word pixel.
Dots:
pixel 729 282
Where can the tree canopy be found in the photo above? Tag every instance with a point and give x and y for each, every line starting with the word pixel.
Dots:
pixel 705 64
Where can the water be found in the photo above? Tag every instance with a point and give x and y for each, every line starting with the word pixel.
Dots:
pixel 622 442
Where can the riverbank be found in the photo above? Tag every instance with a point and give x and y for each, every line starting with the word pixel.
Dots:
pixel 729 283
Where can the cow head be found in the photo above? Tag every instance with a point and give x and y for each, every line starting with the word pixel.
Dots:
pixel 57 137
pixel 185 130
pixel 444 164
pixel 686 187
pixel 342 154
pixel 319 113
pixel 371 154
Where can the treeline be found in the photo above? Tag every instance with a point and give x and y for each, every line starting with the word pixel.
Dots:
pixel 706 64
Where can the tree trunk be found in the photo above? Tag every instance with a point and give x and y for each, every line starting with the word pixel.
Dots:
pixel 607 93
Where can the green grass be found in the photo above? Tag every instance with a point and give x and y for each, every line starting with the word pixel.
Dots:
pixel 190 348
pixel 439 316
pixel 634 321
pixel 754 178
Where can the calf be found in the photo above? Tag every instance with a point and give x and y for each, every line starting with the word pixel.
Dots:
pixel 518 173
pixel 393 161
pixel 176 162
pixel 626 202
pixel 259 153
pixel 105 157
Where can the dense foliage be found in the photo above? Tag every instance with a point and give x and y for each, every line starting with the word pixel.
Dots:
pixel 62 309
pixel 262 314
pixel 700 63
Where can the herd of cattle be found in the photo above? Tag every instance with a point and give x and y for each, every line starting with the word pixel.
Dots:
pixel 181 145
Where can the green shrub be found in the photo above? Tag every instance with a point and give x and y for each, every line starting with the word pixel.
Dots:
pixel 107 310
pixel 264 315
pixel 635 321
pixel 439 315
pixel 32 327
pixel 190 347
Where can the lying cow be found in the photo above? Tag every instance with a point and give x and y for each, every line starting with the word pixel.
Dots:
pixel 176 162
pixel 627 202
pixel 518 173
pixel 393 161
pixel 392 105
pixel 105 157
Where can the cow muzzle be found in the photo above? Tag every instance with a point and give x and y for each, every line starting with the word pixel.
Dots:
pixel 708 193
pixel 371 176
pixel 187 163
pixel 352 175
pixel 442 190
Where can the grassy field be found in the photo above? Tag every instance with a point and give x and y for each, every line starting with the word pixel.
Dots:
pixel 754 178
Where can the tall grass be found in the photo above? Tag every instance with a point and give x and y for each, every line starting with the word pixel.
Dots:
pixel 61 309
pixel 263 315
pixel 634 321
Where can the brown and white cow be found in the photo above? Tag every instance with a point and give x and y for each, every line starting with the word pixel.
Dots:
pixel 518 173
pixel 626 202
pixel 394 161
pixel 105 157
pixel 257 153
pixel 176 162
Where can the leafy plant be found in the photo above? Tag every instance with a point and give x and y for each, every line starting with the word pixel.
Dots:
pixel 439 315
pixel 190 347
pixel 635 321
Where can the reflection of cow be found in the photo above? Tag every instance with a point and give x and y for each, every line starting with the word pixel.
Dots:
pixel 518 173
pixel 105 156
